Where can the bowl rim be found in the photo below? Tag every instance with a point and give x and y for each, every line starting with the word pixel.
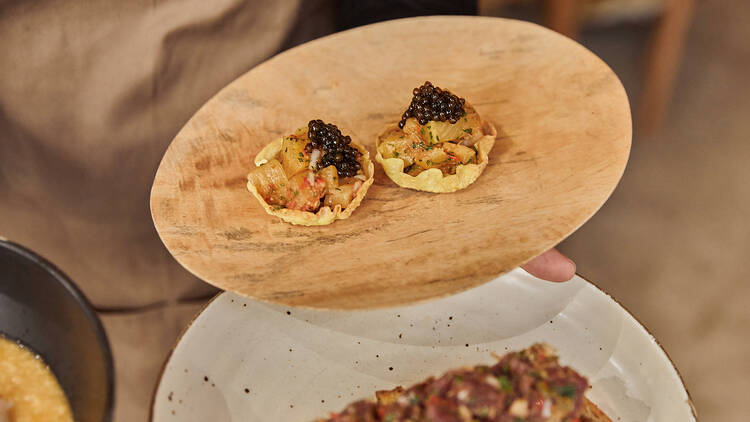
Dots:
pixel 87 308
pixel 210 301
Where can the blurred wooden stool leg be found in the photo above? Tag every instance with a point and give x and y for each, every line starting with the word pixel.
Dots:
pixel 562 16
pixel 661 63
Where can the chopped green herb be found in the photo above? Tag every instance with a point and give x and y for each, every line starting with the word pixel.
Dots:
pixel 282 185
pixel 430 136
pixel 458 378
pixel 429 162
pixel 567 391
pixel 468 130
pixel 396 154
pixel 300 160
pixel 277 207
pixel 469 160
pixel 301 154
pixel 505 384
pixel 438 137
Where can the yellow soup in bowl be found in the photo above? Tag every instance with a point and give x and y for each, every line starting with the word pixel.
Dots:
pixel 29 391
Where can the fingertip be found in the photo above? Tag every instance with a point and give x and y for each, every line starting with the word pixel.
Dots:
pixel 551 266
pixel 569 271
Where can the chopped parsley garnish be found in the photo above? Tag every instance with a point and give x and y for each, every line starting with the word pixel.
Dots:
pixel 469 130
pixel 505 384
pixel 301 154
pixel 396 154
pixel 567 390
pixel 299 159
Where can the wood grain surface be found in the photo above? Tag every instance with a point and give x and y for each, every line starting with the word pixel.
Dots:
pixel 565 133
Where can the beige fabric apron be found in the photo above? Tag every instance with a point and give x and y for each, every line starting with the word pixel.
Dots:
pixel 91 93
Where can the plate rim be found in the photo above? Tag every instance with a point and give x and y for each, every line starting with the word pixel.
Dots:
pixel 661 348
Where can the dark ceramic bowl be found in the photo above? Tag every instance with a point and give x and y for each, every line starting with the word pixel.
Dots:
pixel 43 309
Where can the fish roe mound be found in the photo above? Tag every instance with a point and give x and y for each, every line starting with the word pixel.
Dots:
pixel 335 146
pixel 429 102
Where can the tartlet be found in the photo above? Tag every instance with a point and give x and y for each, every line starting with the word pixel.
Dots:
pixel 440 145
pixel 312 177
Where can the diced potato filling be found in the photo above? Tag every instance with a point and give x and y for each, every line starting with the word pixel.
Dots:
pixel 441 145
pixel 293 156
pixel 330 176
pixel 305 191
pixel 271 181
pixel 430 156
pixel 459 153
pixel 465 130
pixel 341 195
pixel 289 183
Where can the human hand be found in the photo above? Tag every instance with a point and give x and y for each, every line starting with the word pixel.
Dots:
pixel 551 266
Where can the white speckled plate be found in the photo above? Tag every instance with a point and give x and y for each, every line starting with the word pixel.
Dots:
pixel 243 360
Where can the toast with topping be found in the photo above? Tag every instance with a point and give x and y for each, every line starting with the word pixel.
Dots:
pixel 525 386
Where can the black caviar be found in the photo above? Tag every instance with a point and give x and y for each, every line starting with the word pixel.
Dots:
pixel 335 146
pixel 432 103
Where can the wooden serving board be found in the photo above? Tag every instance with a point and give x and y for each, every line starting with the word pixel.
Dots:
pixel 564 140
